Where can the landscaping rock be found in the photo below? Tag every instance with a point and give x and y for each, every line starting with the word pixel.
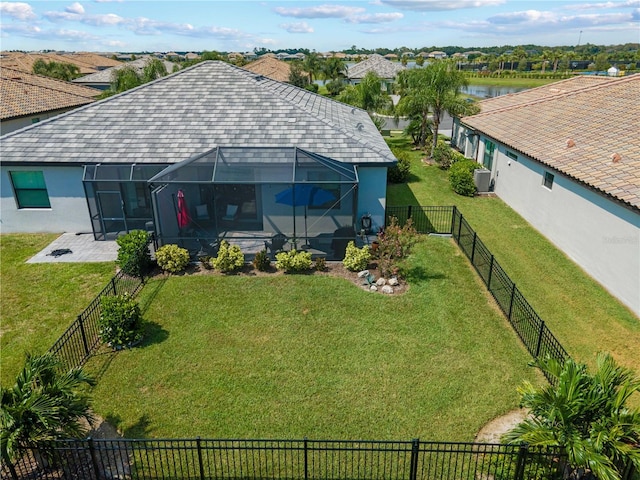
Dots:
pixel 381 281
pixel 373 288
pixel 363 274
pixel 387 289
pixel 393 281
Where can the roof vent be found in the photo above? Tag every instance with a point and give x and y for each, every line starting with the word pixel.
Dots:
pixel 570 143
pixel 616 157
pixel 360 126
pixel 258 78
pixel 353 110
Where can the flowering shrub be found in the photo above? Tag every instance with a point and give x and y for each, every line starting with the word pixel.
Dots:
pixel 172 258
pixel 293 261
pixel 395 244
pixel 120 322
pixel 230 258
pixel 356 259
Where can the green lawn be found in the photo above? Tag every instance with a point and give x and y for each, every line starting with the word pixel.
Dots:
pixel 512 82
pixel 289 356
pixel 580 313
pixel 39 301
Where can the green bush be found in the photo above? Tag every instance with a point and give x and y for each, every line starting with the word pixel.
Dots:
pixel 320 264
pixel 172 258
pixel 461 177
pixel 120 323
pixel 445 156
pixel 399 173
pixel 312 87
pixel 133 255
pixel 261 261
pixel 293 261
pixel 230 258
pixel 334 87
pixel 356 259
pixel 395 244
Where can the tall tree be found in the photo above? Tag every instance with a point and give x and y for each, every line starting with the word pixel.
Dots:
pixel 59 70
pixel 125 78
pixel 334 69
pixel 297 76
pixel 586 414
pixel 154 69
pixel 312 65
pixel 368 95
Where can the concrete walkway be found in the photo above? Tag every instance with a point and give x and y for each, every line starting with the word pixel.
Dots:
pixel 83 249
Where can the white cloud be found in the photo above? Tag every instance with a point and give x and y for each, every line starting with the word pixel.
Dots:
pixel 375 18
pixel 299 27
pixel 75 8
pixel 17 10
pixel 440 5
pixel 321 11
pixel 604 5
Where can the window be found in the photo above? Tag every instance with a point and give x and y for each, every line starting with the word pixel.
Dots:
pixel 489 148
pixel 512 156
pixel 548 180
pixel 30 189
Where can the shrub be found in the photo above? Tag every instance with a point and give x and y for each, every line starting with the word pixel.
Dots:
pixel 321 264
pixel 230 258
pixel 334 87
pixel 399 173
pixel 445 156
pixel 395 244
pixel 461 177
pixel 120 323
pixel 172 258
pixel 356 259
pixel 261 261
pixel 133 255
pixel 312 87
pixel 293 261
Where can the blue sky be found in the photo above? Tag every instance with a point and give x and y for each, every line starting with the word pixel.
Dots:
pixel 122 25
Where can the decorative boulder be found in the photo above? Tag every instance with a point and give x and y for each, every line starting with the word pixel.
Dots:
pixel 393 281
pixel 387 289
pixel 373 288
pixel 381 281
pixel 363 274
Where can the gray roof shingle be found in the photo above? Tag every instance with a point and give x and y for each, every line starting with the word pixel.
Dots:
pixel 208 105
pixel 377 64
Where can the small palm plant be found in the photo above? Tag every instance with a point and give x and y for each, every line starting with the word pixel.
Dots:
pixel 43 404
pixel 586 414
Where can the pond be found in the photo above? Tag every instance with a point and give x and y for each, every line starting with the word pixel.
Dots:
pixel 487 91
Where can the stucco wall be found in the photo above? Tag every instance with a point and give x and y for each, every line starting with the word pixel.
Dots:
pixel 68 212
pixel 599 234
pixel 372 194
pixel 13 124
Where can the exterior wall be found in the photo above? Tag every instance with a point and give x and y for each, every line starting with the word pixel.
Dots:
pixel 68 212
pixel 599 234
pixel 13 124
pixel 372 195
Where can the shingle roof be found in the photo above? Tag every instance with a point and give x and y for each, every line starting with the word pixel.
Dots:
pixel 590 134
pixel 25 94
pixel 210 104
pixel 104 76
pixel 376 64
pixel 270 67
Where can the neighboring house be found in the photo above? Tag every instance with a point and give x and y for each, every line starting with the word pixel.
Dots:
pixel 566 157
pixel 377 64
pixel 271 68
pixel 229 139
pixel 192 56
pixel 86 62
pixel 29 98
pixel 437 54
pixel 102 79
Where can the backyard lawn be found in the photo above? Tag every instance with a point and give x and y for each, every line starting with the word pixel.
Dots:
pixel 581 314
pixel 289 356
pixel 39 301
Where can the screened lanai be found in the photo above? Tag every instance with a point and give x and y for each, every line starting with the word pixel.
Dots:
pixel 248 195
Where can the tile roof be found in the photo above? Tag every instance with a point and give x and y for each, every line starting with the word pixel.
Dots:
pixel 25 61
pixel 192 111
pixel 591 134
pixel 270 67
pixel 104 76
pixel 26 94
pixel 375 63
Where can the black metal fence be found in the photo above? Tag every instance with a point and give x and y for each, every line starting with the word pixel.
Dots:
pixel 531 329
pixel 290 459
pixel 75 345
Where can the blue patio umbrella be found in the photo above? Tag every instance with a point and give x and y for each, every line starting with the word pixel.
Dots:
pixel 306 195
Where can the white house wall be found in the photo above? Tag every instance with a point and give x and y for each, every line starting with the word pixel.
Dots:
pixel 599 234
pixel 13 124
pixel 372 194
pixel 68 212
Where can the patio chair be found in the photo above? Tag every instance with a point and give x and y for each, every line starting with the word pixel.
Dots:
pixel 208 248
pixel 276 244
pixel 231 213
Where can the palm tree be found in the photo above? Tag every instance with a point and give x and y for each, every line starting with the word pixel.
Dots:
pixel 312 65
pixel 43 404
pixel 154 69
pixel 586 415
pixel 368 95
pixel 544 57
pixel 334 69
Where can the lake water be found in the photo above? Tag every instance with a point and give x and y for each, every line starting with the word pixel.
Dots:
pixel 487 91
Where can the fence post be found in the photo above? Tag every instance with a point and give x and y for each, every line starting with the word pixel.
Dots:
pixel 490 273
pixel 539 338
pixel 306 459
pixel 473 249
pixel 513 294
pixel 413 468
pixel 409 213
pixel 84 336
pixel 459 227
pixel 94 460
pixel 520 464
pixel 113 285
pixel 200 464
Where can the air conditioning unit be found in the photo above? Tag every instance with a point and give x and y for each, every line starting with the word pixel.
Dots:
pixel 482 179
